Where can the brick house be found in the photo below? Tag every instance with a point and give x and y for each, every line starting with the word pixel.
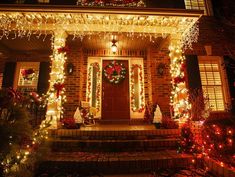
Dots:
pixel 69 47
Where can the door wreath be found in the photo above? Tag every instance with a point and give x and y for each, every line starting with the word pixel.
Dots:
pixel 115 72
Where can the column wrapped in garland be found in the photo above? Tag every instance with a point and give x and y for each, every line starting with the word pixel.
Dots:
pixel 56 95
pixel 179 95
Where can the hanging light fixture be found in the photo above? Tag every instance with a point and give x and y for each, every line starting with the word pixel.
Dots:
pixel 114 46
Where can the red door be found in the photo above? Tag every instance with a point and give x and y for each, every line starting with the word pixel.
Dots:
pixel 115 97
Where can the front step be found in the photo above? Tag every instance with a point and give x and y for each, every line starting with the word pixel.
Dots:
pixel 113 134
pixel 69 145
pixel 65 140
pixel 112 163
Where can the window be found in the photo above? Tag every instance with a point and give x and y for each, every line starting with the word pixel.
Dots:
pixel 195 4
pixel 212 81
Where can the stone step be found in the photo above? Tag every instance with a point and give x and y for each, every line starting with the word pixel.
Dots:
pixel 71 145
pixel 113 134
pixel 111 163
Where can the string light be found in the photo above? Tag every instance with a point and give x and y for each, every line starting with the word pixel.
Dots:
pixel 80 25
pixel 179 95
pixel 56 93
pixel 13 161
pixel 141 105
pixel 98 87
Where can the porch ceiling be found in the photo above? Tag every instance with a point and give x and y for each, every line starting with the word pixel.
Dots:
pixel 88 42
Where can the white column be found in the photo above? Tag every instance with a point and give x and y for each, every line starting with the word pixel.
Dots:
pixel 179 94
pixel 56 90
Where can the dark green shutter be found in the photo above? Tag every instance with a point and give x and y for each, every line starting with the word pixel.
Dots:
pixel 44 76
pixel 194 79
pixel 9 74
pixel 230 70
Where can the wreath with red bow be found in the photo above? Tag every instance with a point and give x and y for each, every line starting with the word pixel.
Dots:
pixel 115 72
pixel 28 74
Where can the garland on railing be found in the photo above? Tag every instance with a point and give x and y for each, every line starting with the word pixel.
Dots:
pixel 89 84
pixel 113 3
pixel 14 160
pixel 21 145
pixel 141 84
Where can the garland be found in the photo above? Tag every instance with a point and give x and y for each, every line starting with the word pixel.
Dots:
pixel 115 72
pixel 89 82
pixel 179 95
pixel 112 3
pixel 141 94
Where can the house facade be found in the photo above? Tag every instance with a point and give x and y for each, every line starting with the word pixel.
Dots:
pixel 118 57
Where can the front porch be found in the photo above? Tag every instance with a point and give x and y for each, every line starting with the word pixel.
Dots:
pixel 155 34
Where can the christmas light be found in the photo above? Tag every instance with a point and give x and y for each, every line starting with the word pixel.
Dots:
pixel 91 68
pixel 82 24
pixel 179 97
pixel 141 105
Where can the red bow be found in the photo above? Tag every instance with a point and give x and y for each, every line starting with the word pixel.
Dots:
pixel 58 87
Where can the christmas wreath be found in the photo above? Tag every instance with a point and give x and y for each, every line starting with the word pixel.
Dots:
pixel 115 72
pixel 28 74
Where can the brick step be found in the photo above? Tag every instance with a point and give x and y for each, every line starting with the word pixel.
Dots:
pixel 113 134
pixel 70 145
pixel 111 163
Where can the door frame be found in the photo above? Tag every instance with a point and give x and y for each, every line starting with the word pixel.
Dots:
pixel 131 60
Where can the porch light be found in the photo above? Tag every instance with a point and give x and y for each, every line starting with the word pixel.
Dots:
pixel 114 46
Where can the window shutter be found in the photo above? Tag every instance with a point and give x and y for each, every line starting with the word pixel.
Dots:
pixel 9 74
pixel 230 65
pixel 44 76
pixel 194 79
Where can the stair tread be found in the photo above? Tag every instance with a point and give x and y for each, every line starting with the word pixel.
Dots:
pixel 111 140
pixel 114 156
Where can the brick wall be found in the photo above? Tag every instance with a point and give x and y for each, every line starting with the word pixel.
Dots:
pixel 161 84
pixel 73 82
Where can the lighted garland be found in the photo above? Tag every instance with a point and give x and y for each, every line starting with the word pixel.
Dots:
pixel 179 95
pixel 114 3
pixel 89 82
pixel 114 72
pixel 56 92
pixel 13 161
pixel 141 94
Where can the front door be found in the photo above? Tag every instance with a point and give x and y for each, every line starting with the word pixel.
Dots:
pixel 115 97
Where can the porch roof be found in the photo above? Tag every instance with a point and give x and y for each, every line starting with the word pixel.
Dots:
pixel 77 21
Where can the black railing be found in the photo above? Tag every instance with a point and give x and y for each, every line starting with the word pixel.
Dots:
pixel 37 114
pixel 179 4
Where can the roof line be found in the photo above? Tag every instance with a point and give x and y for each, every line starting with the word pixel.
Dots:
pixel 100 10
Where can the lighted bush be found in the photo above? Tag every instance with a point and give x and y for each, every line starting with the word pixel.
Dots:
pixel 218 139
